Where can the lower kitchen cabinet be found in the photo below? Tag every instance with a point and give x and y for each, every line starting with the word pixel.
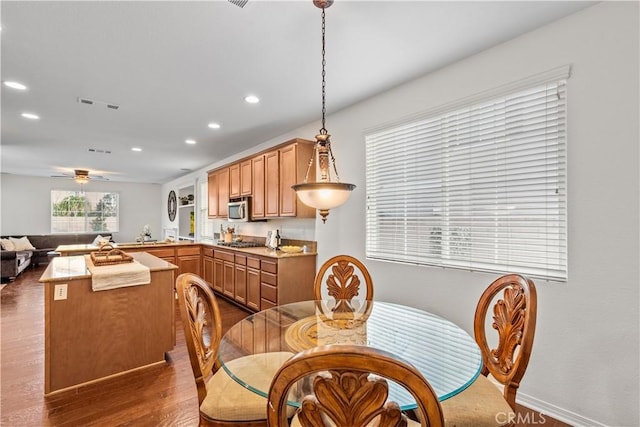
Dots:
pixel 189 259
pixel 260 282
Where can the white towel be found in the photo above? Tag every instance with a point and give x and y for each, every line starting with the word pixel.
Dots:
pixel 118 275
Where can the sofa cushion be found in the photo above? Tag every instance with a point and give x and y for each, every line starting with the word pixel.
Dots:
pixel 22 244
pixel 7 245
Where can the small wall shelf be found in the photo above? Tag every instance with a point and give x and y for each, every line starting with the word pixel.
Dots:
pixel 187 213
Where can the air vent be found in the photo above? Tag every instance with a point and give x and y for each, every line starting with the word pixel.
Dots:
pixel 99 151
pixel 88 101
pixel 239 3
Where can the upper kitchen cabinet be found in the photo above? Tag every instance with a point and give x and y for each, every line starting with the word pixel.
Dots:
pixel 246 178
pixel 294 161
pixel 240 179
pixel 267 178
pixel 271 183
pixel 257 202
pixel 218 188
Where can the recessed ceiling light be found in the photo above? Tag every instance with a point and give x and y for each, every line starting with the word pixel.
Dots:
pixel 214 125
pixel 252 99
pixel 190 141
pixel 137 149
pixel 30 116
pixel 15 85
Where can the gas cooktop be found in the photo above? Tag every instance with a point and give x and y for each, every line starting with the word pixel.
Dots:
pixel 241 244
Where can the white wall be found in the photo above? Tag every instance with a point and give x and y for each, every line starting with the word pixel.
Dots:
pixel 584 366
pixel 26 205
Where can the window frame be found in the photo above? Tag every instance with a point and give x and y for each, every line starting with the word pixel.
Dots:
pixel 406 234
pixel 98 196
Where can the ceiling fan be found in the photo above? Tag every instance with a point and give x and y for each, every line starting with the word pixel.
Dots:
pixel 81 176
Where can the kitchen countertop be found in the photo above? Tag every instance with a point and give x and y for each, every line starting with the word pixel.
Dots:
pixel 75 267
pixel 259 251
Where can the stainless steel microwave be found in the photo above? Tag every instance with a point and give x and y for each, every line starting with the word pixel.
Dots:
pixel 238 211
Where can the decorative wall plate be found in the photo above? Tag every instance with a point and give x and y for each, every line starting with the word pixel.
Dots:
pixel 172 204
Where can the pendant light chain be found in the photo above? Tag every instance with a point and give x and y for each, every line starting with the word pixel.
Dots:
pixel 323 131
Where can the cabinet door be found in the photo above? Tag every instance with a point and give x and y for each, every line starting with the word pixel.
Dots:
pixel 253 289
pixel 241 284
pixel 234 180
pixel 207 270
pixel 189 264
pixel 246 178
pixel 227 280
pixel 218 275
pixel 223 192
pixel 271 184
pixel 257 206
pixel 288 176
pixel 212 190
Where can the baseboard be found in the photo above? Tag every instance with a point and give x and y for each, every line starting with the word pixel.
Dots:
pixel 556 412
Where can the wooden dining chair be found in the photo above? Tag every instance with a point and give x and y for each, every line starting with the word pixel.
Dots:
pixel 345 393
pixel 339 277
pixel 513 300
pixel 223 401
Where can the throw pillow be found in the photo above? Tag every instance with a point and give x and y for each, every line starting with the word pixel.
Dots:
pixel 7 245
pixel 22 244
pixel 97 240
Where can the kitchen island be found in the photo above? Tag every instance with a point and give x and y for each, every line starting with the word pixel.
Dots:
pixel 93 335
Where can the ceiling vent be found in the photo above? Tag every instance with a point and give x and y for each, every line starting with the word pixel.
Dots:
pixel 88 101
pixel 99 151
pixel 239 3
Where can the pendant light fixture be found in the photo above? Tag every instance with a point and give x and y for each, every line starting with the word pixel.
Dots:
pixel 323 194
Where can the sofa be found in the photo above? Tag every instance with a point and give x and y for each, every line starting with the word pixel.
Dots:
pixel 12 263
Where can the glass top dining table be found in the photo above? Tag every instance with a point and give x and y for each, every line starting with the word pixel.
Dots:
pixel 443 352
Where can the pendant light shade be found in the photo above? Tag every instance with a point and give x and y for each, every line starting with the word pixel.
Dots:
pixel 323 194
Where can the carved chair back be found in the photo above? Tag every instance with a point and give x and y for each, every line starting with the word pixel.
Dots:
pixel 202 327
pixel 343 280
pixel 344 392
pixel 514 319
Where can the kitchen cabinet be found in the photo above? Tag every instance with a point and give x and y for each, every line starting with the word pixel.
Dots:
pixel 240 279
pixel 218 275
pixel 271 183
pixel 294 161
pixel 253 283
pixel 218 189
pixel 188 259
pixel 167 254
pixel 285 167
pixel 257 202
pixel 246 178
pixel 234 180
pixel 207 265
pixel 259 282
pixel 267 178
pixel 223 272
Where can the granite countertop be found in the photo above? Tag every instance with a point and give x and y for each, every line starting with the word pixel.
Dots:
pixel 75 267
pixel 261 251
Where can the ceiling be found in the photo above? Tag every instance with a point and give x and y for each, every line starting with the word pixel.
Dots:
pixel 172 67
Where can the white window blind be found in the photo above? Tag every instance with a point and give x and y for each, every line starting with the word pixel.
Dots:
pixel 481 187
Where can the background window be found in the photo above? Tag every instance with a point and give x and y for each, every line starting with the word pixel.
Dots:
pixel 84 212
pixel 480 187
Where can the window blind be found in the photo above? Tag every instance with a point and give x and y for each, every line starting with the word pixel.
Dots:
pixel 480 187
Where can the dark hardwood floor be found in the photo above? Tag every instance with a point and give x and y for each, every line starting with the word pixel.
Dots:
pixel 157 396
